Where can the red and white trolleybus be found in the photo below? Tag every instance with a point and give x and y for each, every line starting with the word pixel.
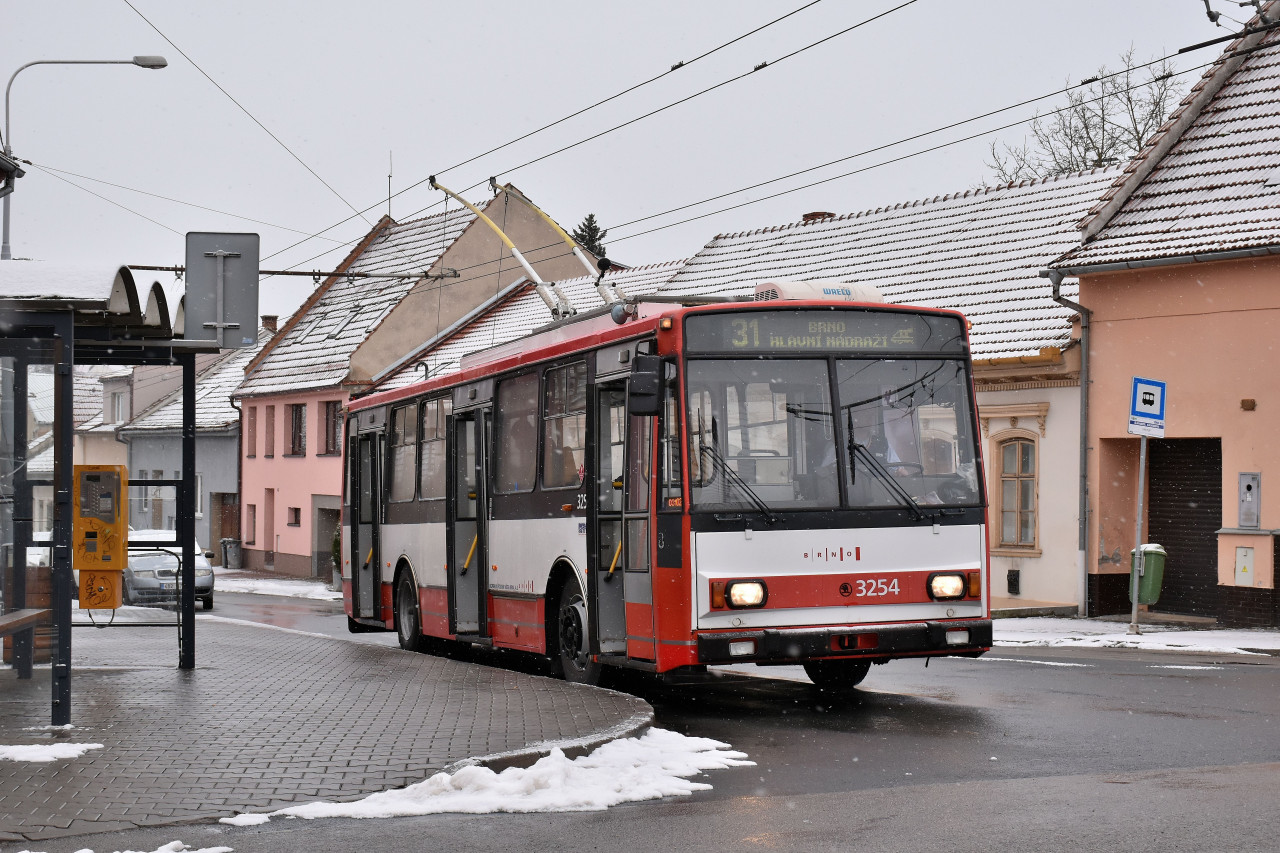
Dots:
pixel 674 485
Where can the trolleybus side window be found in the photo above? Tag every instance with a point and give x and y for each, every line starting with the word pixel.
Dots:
pixel 516 434
pixel 431 436
pixel 564 426
pixel 669 455
pixel 404 442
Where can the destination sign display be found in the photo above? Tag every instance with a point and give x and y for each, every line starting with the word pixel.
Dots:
pixel 823 331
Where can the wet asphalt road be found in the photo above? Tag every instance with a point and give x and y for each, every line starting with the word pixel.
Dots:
pixel 1025 749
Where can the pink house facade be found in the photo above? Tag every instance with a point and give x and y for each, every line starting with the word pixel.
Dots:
pixel 1178 272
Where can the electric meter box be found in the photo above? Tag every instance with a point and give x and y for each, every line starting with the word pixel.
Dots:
pixel 100 533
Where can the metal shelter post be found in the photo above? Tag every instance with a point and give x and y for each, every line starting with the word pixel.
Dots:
pixel 23 641
pixel 186 515
pixel 64 348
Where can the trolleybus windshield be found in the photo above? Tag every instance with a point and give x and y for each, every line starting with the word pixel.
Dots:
pixel 764 435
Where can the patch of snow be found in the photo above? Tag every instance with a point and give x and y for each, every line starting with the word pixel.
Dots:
pixel 1038 631
pixel 171 847
pixel 656 765
pixel 46 751
pixel 229 580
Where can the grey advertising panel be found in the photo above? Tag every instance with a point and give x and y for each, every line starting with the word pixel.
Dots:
pixel 222 289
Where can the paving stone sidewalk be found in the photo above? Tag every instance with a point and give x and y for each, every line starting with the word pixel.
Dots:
pixel 267 719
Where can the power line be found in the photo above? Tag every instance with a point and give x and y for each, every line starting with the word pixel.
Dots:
pixel 864 169
pixel 244 110
pixel 688 98
pixel 48 168
pixel 672 69
pixel 904 140
pixel 107 200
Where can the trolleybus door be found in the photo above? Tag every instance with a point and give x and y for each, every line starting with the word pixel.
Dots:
pixel 623 589
pixel 468 522
pixel 367 512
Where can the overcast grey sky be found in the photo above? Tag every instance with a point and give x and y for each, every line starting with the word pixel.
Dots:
pixel 348 86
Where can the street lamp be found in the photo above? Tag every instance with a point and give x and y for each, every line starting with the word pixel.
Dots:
pixel 15 172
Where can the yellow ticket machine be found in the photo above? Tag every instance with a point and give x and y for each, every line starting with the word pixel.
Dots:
pixel 100 533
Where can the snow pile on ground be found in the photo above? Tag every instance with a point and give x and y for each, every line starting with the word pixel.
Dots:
pixel 230 580
pixel 655 765
pixel 1039 631
pixel 171 847
pixel 45 751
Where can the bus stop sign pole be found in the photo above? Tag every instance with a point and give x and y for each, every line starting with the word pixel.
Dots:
pixel 1146 418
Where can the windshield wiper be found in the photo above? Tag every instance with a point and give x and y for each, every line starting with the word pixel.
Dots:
pixel 721 465
pixel 882 473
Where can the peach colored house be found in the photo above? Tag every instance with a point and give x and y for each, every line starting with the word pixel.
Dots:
pixel 1178 272
pixel 401 285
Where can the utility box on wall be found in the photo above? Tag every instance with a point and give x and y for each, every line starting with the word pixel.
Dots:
pixel 1244 566
pixel 1250 499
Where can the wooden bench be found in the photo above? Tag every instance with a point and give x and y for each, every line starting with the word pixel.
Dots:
pixel 18 620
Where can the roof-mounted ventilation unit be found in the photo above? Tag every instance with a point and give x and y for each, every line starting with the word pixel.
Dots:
pixel 839 291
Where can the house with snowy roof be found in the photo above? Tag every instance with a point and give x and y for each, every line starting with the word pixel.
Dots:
pixel 153 442
pixel 401 284
pixel 1177 271
pixel 980 252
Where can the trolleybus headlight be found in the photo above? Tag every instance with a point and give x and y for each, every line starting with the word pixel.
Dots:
pixel 744 594
pixel 946 586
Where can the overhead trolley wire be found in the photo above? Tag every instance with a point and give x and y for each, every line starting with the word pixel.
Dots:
pixel 677 66
pixel 244 110
pixel 929 150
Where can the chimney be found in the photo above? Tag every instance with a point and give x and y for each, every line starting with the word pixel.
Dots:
pixel 270 322
pixel 816 215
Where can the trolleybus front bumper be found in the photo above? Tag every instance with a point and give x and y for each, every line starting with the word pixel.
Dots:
pixel 791 645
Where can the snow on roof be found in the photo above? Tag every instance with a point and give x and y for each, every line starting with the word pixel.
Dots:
pixel 317 344
pixel 515 314
pixel 980 252
pixel 79 285
pixel 1215 184
pixel 213 395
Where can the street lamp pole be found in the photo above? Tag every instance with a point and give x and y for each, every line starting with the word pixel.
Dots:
pixel 140 61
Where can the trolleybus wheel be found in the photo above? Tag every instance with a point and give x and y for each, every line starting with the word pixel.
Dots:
pixel 408 622
pixel 837 674
pixel 571 634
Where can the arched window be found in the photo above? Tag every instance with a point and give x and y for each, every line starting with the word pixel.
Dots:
pixel 1017 459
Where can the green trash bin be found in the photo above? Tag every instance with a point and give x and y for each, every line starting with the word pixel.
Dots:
pixel 1153 557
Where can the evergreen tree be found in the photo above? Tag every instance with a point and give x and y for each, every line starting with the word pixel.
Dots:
pixel 590 235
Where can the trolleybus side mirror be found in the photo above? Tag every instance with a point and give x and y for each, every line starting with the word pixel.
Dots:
pixel 644 392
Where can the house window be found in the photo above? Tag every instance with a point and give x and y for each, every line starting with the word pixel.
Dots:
pixel 270 449
pixel 404 445
pixel 564 426
pixel 251 432
pixel 298 429
pixel 332 439
pixel 1018 493
pixel 431 435
pixel 199 497
pixel 295 516
pixel 119 407
pixel 250 524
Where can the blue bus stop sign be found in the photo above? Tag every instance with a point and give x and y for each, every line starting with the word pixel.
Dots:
pixel 1146 408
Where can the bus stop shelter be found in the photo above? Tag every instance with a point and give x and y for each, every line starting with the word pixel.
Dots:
pixel 58 317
